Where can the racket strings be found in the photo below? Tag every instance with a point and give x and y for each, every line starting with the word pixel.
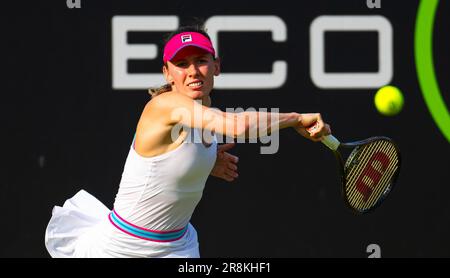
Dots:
pixel 354 166
pixel 372 183
pixel 369 173
pixel 383 186
pixel 385 181
pixel 376 185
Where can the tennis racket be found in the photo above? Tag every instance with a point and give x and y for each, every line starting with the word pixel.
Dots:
pixel 369 173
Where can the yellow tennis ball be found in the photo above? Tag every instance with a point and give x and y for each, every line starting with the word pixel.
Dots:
pixel 389 100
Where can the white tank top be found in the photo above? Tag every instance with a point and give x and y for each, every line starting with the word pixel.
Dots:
pixel 161 192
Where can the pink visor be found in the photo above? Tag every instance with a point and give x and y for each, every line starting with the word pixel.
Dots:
pixel 182 40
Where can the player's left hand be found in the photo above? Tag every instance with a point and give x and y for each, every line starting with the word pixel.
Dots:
pixel 226 163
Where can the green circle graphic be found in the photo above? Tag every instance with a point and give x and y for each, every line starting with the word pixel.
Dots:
pixel 423 52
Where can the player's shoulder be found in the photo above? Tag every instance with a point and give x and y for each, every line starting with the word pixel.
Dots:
pixel 166 100
pixel 162 101
pixel 161 107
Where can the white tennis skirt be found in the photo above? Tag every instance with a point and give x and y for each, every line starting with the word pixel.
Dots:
pixel 81 229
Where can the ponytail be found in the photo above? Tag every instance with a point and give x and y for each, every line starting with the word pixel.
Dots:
pixel 155 91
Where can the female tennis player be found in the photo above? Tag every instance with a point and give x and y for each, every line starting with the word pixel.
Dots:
pixel 168 164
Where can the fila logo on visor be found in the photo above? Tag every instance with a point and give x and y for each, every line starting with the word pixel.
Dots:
pixel 186 38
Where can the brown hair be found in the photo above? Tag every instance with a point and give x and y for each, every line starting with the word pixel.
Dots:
pixel 155 91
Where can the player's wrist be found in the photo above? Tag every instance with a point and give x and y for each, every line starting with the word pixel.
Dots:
pixel 297 119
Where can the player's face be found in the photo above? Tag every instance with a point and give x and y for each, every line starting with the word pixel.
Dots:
pixel 192 71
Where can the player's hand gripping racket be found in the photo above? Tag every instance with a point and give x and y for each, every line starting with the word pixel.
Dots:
pixel 370 171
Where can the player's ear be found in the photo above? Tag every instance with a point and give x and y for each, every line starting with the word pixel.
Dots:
pixel 217 66
pixel 167 76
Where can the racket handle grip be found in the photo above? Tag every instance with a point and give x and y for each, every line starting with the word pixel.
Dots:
pixel 331 142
